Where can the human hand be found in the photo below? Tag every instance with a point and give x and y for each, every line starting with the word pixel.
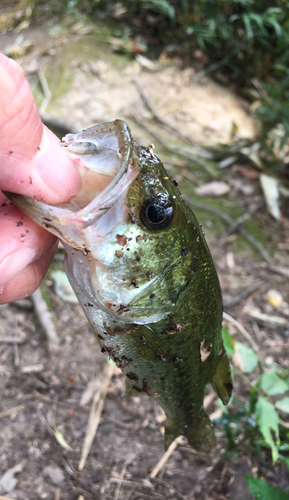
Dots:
pixel 32 164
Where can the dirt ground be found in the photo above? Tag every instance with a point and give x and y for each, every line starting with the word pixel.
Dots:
pixel 44 394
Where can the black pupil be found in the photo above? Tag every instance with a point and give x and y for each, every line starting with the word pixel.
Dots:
pixel 156 214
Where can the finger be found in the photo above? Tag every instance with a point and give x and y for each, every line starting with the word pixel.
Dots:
pixel 31 161
pixel 22 242
pixel 27 281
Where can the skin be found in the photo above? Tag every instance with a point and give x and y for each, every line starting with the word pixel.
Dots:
pixel 32 164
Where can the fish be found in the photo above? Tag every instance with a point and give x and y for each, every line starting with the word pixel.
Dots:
pixel 143 274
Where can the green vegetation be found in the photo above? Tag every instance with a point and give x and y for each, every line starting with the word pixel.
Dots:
pixel 243 39
pixel 265 491
pixel 258 421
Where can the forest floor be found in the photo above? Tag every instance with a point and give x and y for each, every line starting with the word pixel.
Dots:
pixel 45 398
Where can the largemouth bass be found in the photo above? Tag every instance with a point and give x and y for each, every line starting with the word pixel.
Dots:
pixel 139 264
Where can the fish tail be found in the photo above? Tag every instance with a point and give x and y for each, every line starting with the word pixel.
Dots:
pixel 199 433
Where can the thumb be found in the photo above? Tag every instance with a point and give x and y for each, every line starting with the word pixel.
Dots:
pixel 31 161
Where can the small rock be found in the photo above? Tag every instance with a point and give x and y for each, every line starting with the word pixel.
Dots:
pixel 8 480
pixel 54 474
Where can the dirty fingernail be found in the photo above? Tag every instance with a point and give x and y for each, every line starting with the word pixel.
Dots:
pixel 14 263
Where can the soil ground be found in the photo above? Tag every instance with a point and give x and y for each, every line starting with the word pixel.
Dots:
pixel 43 392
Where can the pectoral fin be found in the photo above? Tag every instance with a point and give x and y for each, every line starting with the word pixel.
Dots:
pixel 199 433
pixel 222 379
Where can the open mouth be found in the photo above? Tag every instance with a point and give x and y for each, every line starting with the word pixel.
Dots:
pixel 103 154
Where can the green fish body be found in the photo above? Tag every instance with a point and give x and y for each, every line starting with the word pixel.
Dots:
pixel 139 264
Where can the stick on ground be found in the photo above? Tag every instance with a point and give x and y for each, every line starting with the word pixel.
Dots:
pixel 247 336
pixel 166 456
pixel 229 219
pixel 245 294
pixel 95 415
pixel 185 152
pixel 45 320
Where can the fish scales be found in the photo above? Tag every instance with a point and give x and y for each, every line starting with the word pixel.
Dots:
pixel 139 264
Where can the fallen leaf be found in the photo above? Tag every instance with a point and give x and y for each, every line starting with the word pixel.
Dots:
pixel 271 193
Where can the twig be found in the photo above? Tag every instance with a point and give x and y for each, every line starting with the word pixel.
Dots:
pixel 45 89
pixel 185 152
pixel 166 456
pixel 37 395
pixel 67 387
pixel 246 293
pixel 247 380
pixel 12 340
pixel 178 493
pixel 282 271
pixel 242 330
pixel 229 219
pixel 236 223
pixel 122 474
pixel 32 368
pixel 6 413
pixel 130 492
pixel 273 320
pixel 156 495
pixel 45 320
pixel 95 415
pixel 247 336
pixel 16 355
pixel 163 120
pixel 121 424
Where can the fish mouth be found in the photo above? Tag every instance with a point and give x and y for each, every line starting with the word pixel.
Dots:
pixel 103 155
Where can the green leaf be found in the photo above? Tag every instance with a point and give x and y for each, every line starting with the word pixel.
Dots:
pixel 264 491
pixel 283 404
pixel 248 27
pixel 248 358
pixel 161 6
pixel 268 421
pixel 229 341
pixel 272 384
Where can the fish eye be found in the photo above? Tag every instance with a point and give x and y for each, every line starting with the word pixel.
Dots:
pixel 156 214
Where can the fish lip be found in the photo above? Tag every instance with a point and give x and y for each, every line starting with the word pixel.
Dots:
pixel 126 174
